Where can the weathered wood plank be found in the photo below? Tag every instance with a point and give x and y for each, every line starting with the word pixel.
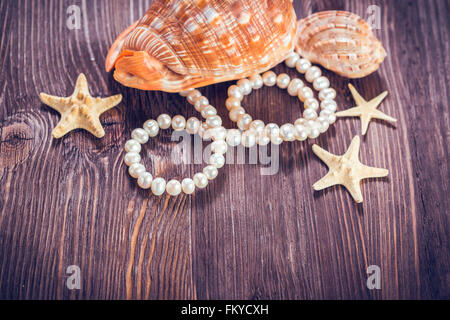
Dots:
pixel 247 236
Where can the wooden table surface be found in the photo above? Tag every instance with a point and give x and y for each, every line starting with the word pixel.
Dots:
pixel 247 236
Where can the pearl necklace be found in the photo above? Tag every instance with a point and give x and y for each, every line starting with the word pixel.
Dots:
pixel 158 185
pixel 251 131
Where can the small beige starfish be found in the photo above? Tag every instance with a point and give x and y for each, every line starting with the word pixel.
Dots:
pixel 80 110
pixel 346 170
pixel 366 110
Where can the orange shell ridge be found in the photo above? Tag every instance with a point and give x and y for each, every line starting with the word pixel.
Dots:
pixel 341 42
pixel 181 44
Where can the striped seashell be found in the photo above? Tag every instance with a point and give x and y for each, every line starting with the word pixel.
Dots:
pixel 183 44
pixel 340 41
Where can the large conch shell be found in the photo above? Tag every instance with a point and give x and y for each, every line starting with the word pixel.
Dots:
pixel 340 41
pixel 182 44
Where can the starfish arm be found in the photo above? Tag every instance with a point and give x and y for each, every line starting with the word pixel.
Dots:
pixel 57 103
pixel 365 121
pixel 381 116
pixel 63 127
pixel 108 103
pixel 356 96
pixel 328 181
pixel 81 88
pixel 372 172
pixel 375 102
pixel 324 155
pixel 353 150
pixel 355 190
pixel 94 126
pixel 352 112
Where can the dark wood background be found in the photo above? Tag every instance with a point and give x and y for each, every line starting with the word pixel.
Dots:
pixel 247 236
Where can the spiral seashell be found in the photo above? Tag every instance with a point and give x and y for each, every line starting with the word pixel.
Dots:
pixel 340 41
pixel 183 44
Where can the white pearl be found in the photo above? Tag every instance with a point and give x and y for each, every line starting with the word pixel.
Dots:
pixel 145 180
pixel 313 73
pixel 330 105
pixel 331 119
pixel 173 187
pixel 234 137
pixel 315 133
pixel 178 123
pixel 309 114
pixel 200 103
pixel 312 103
pixel 300 121
pixel 300 132
pixel 192 125
pixel 132 158
pixel 232 103
pixel 276 140
pixel 218 133
pixel 200 180
pixel 294 86
pixel 245 86
pixel 133 146
pixel 244 121
pixel 219 147
pixel 193 95
pixel 152 128
pixel 272 130
pixel 214 121
pixel 140 135
pixel 235 92
pixel 292 60
pixel 269 78
pixel 262 140
pixel 305 93
pixel 257 126
pixel 327 94
pixel 158 186
pixel 325 113
pixel 186 92
pixel 283 81
pixel 217 160
pixel 323 124
pixel 248 139
pixel 303 65
pixel 287 132
pixel 188 186
pixel 136 169
pixel 321 83
pixel 257 81
pixel 164 121
pixel 208 111
pixel 236 113
pixel 210 172
pixel 204 131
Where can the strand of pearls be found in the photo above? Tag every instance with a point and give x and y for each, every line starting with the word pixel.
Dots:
pixel 311 125
pixel 252 132
pixel 158 185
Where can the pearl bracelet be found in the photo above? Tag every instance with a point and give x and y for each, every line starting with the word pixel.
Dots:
pixel 158 185
pixel 255 131
pixel 310 126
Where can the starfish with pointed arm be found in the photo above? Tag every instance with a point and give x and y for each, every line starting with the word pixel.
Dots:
pixel 366 110
pixel 346 170
pixel 80 110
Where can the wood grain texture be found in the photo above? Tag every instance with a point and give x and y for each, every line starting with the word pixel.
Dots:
pixel 247 236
